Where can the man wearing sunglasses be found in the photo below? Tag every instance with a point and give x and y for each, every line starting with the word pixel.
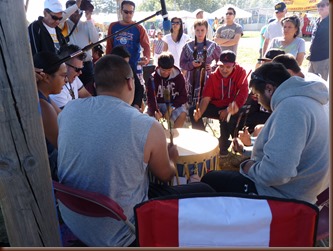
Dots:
pixel 84 33
pixel 44 33
pixel 319 49
pixel 133 39
pixel 74 88
pixel 290 157
pixel 229 33
pixel 274 29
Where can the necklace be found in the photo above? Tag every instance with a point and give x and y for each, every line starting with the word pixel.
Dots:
pixel 70 90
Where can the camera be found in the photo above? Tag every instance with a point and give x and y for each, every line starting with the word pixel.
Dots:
pixel 86 5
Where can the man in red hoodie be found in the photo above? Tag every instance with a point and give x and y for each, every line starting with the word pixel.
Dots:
pixel 225 91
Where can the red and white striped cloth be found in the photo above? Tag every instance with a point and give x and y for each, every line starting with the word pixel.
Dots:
pixel 225 222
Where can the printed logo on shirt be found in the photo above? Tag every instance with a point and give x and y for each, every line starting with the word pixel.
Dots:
pixel 55 41
pixel 170 86
pixel 228 33
pixel 124 37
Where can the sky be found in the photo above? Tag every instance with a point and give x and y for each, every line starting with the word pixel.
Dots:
pixel 35 8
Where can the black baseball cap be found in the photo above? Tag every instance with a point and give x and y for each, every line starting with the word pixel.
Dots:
pixel 99 48
pixel 270 54
pixel 227 57
pixel 280 7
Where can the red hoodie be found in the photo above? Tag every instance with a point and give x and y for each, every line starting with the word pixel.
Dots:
pixel 233 88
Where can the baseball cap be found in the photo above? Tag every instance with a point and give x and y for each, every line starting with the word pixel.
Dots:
pixel 279 7
pixel 227 57
pixel 53 5
pixel 197 11
pixel 270 54
pixel 99 48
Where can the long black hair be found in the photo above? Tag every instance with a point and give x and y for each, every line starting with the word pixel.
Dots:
pixel 48 61
pixel 181 31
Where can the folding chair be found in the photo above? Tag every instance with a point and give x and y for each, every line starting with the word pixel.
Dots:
pixel 225 220
pixel 90 203
pixel 323 222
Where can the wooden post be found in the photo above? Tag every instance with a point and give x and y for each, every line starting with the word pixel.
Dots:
pixel 26 193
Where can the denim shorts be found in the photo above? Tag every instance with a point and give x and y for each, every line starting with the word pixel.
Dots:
pixel 175 113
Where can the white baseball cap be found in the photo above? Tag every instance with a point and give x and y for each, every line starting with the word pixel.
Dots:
pixel 53 5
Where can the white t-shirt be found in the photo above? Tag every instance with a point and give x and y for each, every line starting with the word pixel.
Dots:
pixel 64 96
pixel 176 48
pixel 53 35
pixel 274 29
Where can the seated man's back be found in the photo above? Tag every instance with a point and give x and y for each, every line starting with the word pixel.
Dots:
pixel 105 146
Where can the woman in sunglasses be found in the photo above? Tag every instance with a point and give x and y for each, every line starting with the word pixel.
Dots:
pixel 176 39
pixel 50 81
pixel 290 42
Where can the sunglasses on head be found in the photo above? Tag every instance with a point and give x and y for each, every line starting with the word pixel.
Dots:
pixel 128 11
pixel 322 5
pixel 75 68
pixel 175 23
pixel 229 13
pixel 55 18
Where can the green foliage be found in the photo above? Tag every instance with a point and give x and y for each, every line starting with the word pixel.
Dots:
pixel 189 5
pixel 151 5
pixel 110 6
pixel 104 6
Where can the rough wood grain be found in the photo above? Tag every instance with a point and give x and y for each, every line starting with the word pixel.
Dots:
pixel 26 195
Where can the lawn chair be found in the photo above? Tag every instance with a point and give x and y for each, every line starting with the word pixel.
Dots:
pixel 90 203
pixel 225 220
pixel 323 222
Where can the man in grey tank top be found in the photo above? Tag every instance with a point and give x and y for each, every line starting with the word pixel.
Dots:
pixel 107 146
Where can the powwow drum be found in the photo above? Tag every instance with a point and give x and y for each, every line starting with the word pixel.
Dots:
pixel 198 154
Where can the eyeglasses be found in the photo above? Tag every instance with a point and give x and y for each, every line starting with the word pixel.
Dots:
pixel 55 18
pixel 229 13
pixel 175 23
pixel 75 68
pixel 128 11
pixel 322 5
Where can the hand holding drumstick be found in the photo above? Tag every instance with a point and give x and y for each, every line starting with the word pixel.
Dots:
pixel 233 106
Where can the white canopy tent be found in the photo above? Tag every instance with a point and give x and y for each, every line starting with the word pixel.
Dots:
pixel 239 12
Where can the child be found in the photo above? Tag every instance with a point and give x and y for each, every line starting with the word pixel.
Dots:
pixel 167 76
pixel 197 54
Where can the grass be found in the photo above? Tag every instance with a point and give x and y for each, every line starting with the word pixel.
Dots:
pixel 248 50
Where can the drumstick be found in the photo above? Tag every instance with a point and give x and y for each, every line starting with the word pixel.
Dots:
pixel 236 128
pixel 233 102
pixel 154 93
pixel 166 96
pixel 202 80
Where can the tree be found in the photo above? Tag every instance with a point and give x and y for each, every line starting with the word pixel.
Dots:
pixel 104 6
pixel 189 5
